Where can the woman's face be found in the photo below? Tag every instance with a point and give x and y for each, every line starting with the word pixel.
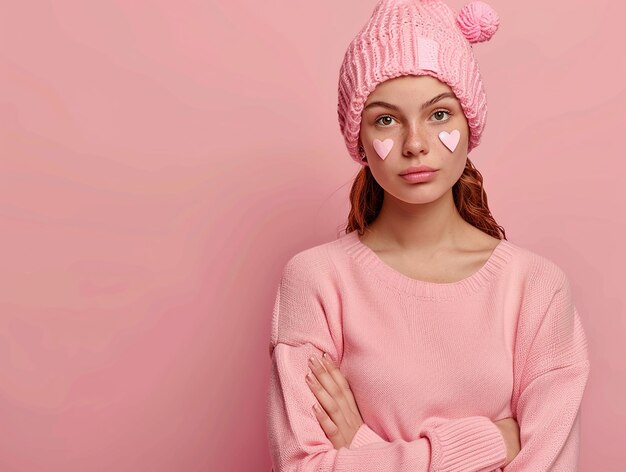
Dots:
pixel 406 132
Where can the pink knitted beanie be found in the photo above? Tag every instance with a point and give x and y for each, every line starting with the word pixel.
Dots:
pixel 416 37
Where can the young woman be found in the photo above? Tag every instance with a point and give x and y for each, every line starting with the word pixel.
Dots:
pixel 447 347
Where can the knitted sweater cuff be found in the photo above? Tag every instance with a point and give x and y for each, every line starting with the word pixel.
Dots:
pixel 470 443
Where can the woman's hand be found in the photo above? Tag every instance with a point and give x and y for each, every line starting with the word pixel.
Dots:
pixel 510 432
pixel 339 417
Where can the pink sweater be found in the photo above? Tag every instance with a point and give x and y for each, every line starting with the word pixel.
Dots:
pixel 430 364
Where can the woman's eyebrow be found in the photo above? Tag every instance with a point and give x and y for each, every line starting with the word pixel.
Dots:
pixel 433 100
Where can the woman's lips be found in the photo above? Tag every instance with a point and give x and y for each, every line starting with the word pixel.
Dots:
pixel 414 177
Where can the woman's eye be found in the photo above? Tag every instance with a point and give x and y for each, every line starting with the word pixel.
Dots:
pixel 439 112
pixel 382 118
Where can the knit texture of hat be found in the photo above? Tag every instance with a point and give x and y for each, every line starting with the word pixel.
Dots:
pixel 416 37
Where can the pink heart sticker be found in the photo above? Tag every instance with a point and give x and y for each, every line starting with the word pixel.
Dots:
pixel 450 140
pixel 383 147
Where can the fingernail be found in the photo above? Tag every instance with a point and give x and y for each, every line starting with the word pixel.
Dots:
pixel 326 358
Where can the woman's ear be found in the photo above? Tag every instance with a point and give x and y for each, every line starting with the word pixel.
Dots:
pixel 362 153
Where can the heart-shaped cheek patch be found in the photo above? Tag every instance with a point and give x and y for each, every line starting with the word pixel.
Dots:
pixel 383 147
pixel 450 140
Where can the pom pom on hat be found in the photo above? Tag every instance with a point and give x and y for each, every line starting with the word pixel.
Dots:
pixel 478 21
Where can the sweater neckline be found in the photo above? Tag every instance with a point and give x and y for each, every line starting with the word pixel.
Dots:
pixel 395 279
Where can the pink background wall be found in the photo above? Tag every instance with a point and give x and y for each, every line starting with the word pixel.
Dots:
pixel 160 162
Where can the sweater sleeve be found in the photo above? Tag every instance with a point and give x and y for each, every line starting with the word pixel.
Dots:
pixel 552 381
pixel 304 323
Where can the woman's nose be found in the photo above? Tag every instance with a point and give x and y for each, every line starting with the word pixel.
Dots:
pixel 415 142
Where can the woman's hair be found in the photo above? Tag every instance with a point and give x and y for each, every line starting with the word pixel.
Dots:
pixel 366 199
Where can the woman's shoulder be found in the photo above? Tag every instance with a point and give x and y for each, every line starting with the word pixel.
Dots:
pixel 536 267
pixel 313 262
